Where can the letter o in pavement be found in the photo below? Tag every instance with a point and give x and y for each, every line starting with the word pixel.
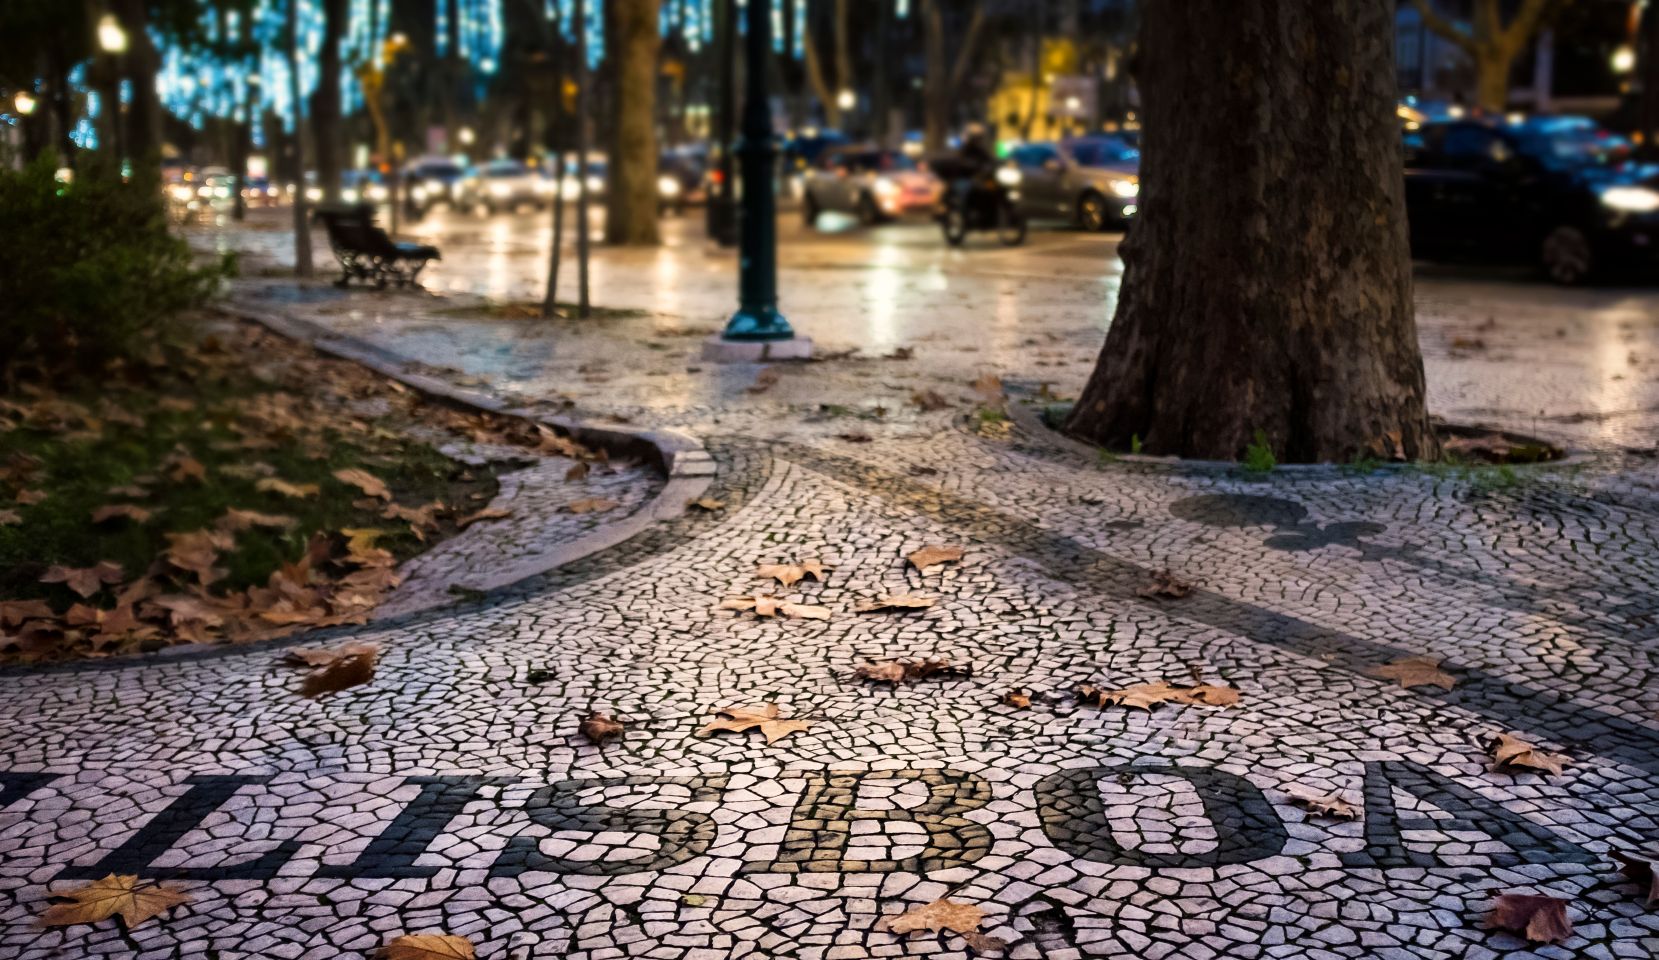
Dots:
pixel 1247 828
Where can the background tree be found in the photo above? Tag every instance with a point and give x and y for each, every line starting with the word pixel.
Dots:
pixel 945 76
pixel 828 92
pixel 329 144
pixel 1278 298
pixel 1491 44
pixel 631 193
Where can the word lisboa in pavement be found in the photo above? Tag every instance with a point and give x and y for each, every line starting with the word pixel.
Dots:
pixel 819 837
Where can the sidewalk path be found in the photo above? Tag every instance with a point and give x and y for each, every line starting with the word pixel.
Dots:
pixel 453 793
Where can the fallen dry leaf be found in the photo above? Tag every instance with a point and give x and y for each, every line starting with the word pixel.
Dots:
pixel 789 574
pixel 429 946
pixel 933 555
pixel 363 480
pixel 14 612
pixel 1510 752
pixel 85 581
pixel 1642 866
pixel 235 520
pixel 352 665
pixel 895 601
pixel 577 472
pixel 989 386
pixel 8 517
pixel 764 380
pixel 1540 919
pixel 1323 804
pixel 941 914
pixel 129 511
pixel 488 513
pixel 763 718
pixel 599 727
pixel 903 671
pixel 283 487
pixel 708 504
pixel 929 400
pixel 591 505
pixel 1165 585
pixel 196 551
pixel 181 466
pixel 115 895
pixel 1148 695
pixel 1019 699
pixel 765 606
pixel 854 437
pixel 1415 672
pixel 30 497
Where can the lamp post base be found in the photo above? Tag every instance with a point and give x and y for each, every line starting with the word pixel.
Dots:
pixel 718 349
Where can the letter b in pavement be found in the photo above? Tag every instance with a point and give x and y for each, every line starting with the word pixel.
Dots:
pixel 821 836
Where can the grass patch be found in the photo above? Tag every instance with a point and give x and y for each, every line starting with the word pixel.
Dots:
pixel 1258 456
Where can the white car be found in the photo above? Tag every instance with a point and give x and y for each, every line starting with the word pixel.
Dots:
pixel 869 182
pixel 508 185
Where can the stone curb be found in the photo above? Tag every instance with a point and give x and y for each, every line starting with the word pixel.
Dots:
pixel 680 458
pixel 1029 418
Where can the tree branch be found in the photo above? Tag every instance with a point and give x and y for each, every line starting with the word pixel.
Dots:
pixel 970 39
pixel 1526 22
pixel 1442 27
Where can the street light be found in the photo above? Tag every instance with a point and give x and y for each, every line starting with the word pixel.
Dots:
pixel 758 331
pixel 24 102
pixel 846 99
pixel 111 37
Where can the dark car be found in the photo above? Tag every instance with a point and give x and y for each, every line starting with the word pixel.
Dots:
pixel 1093 182
pixel 430 181
pixel 1555 191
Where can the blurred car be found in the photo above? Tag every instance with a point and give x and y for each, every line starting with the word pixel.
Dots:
pixel 799 153
pixel 363 186
pixel 1091 182
pixel 571 188
pixel 868 182
pixel 682 180
pixel 506 185
pixel 430 181
pixel 1559 192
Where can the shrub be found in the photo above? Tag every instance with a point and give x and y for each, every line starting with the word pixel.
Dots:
pixel 88 272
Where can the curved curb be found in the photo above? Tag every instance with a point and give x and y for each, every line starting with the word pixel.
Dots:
pixel 1029 418
pixel 681 459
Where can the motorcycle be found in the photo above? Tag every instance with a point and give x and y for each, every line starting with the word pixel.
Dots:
pixel 982 200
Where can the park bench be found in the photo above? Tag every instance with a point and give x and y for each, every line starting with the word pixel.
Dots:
pixel 365 251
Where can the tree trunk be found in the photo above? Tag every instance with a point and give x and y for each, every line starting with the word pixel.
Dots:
pixel 1278 298
pixel 303 266
pixel 935 96
pixel 631 194
pixel 325 101
pixel 1492 70
pixel 144 113
pixel 815 77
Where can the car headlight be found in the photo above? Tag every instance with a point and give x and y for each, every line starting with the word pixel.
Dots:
pixel 544 187
pixel 571 188
pixel 313 194
pixel 1631 199
pixel 500 189
pixel 596 184
pixel 885 187
pixel 419 193
pixel 181 192
pixel 349 194
pixel 1009 176
pixel 668 186
pixel 377 193
pixel 455 189
pixel 1126 188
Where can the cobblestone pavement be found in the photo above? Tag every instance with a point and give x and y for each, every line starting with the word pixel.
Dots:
pixel 453 793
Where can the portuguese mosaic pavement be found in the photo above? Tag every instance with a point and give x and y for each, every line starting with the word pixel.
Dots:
pixel 453 792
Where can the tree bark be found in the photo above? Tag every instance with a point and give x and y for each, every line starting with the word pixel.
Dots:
pixel 1278 298
pixel 143 63
pixel 325 101
pixel 631 194
pixel 943 78
pixel 303 266
pixel 820 86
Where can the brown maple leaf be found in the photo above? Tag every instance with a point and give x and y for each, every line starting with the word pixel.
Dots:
pixel 929 400
pixel 1415 672
pixel 299 491
pixel 10 517
pixel 181 466
pixel 591 505
pixel 1148 695
pixel 115 895
pixel 599 727
pixel 1538 918
pixel 989 386
pixel 933 555
pixel 129 511
pixel 1642 866
pixel 1165 585
pixel 1323 804
pixel 789 574
pixel 365 481
pixel 577 472
pixel 14 612
pixel 763 718
pixel 707 504
pixel 85 581
pixel 1510 752
pixel 429 946
pixel 196 551
pixel 488 513
pixel 765 606
pixel 1019 699
pixel 903 671
pixel 899 601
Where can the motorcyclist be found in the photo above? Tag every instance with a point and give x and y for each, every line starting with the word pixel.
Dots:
pixel 975 153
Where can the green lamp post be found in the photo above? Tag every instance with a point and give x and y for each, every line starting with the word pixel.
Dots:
pixel 757 318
